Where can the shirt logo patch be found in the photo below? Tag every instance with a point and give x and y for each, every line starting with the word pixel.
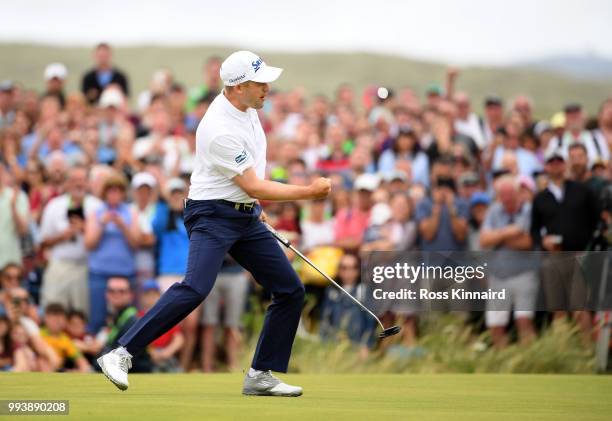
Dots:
pixel 241 157
pixel 257 64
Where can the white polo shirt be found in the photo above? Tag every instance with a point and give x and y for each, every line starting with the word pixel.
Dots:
pixel 228 142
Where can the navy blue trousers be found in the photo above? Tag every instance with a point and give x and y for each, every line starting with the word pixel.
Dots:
pixel 216 229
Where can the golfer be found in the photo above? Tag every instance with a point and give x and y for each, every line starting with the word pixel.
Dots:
pixel 222 216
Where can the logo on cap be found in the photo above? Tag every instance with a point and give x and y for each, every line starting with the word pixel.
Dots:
pixel 257 64
pixel 236 79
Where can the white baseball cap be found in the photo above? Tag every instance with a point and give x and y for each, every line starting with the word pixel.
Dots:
pixel 143 179
pixel 175 184
pixel 369 182
pixel 111 97
pixel 243 66
pixel 56 70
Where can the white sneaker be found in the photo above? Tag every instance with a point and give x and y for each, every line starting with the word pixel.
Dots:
pixel 265 384
pixel 115 366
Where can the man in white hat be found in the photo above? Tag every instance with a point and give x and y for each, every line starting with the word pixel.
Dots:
pixel 222 216
pixel 55 77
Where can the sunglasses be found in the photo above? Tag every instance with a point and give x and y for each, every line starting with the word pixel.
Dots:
pixel 117 291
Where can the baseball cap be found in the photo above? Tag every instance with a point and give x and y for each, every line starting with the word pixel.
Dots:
pixel 433 89
pixel 150 285
pixel 367 182
pixel 176 184
pixel 553 154
pixel 479 198
pixel 143 179
pixel 541 127
pixel 56 70
pixel 111 98
pixel 572 107
pixel 243 66
pixel 396 175
pixel 7 86
pixel 493 100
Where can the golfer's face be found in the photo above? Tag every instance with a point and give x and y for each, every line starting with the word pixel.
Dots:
pixel 255 93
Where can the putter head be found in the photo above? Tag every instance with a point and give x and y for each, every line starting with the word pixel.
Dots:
pixel 390 331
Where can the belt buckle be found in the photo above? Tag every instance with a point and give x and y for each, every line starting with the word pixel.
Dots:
pixel 237 206
pixel 248 206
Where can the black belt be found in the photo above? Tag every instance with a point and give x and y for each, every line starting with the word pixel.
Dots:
pixel 240 207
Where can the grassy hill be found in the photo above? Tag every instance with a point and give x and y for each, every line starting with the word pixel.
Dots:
pixel 317 72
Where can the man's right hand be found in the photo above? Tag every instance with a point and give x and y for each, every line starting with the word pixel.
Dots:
pixel 320 188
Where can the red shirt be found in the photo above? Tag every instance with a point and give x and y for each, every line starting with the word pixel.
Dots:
pixel 351 223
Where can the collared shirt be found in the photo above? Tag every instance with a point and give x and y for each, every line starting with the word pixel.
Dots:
pixel 556 191
pixel 228 142
pixel 55 221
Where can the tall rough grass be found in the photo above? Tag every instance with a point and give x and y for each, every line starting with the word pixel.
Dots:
pixel 449 346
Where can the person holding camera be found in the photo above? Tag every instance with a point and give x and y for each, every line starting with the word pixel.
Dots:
pixel 62 228
pixel 443 217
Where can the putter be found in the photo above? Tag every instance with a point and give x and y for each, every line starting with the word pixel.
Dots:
pixel 390 331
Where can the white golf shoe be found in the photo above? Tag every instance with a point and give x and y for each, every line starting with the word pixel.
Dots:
pixel 115 366
pixel 265 384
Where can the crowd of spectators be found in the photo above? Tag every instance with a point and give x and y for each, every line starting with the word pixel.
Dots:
pixel 92 189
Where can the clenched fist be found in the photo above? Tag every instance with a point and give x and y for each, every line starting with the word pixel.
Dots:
pixel 320 188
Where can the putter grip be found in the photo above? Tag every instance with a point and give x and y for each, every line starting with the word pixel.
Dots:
pixel 279 237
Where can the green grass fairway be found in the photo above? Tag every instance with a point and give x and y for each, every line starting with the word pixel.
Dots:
pixel 327 397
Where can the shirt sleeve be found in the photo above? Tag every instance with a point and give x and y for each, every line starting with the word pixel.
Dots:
pixel 423 210
pixel 230 156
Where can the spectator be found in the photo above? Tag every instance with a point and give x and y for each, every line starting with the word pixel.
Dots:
pixel 564 218
pixel 65 279
pixel 87 344
pixel 7 103
pixel 164 349
pixel 580 171
pixel 479 204
pixel 23 356
pixel 173 249
pixel 603 134
pixel 442 218
pixel 511 141
pixel 102 75
pixel 11 277
pixel 399 231
pixel 340 315
pixel 22 314
pixel 54 334
pixel 161 146
pixel 352 222
pixel 112 234
pixel 144 194
pixel 55 76
pixel 230 291
pixel 493 117
pixel 212 82
pixel 468 123
pixel 6 354
pixel 575 132
pixel 506 230
pixel 122 315
pixel 14 218
pixel 110 126
pixel 406 146
pixel 317 227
